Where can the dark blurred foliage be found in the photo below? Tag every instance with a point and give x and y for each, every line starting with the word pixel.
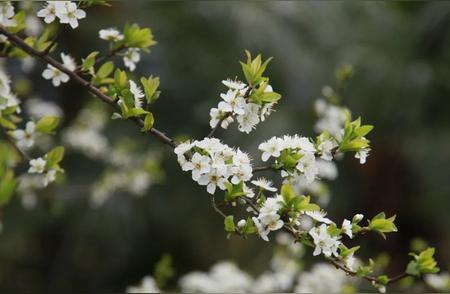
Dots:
pixel 401 55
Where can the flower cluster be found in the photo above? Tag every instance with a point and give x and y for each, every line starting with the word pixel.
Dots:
pixel 110 34
pixel 268 218
pixel 214 164
pixel 65 11
pixel 295 155
pixel 56 75
pixel 237 105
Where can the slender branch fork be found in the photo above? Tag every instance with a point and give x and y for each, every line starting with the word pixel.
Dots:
pixel 43 56
pixel 92 89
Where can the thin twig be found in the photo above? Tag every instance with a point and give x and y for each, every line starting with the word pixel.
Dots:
pixel 92 89
pixel 213 201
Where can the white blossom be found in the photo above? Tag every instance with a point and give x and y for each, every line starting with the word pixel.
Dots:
pixel 137 94
pixel 347 228
pixel 325 243
pixel 110 34
pixel 54 74
pixel 131 57
pixel 264 184
pixel 440 282
pixel 71 14
pixel 25 138
pixel 37 165
pixel 65 11
pixel 7 14
pixel 319 215
pixel 270 148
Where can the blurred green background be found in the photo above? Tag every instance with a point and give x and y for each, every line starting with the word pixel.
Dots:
pixel 401 55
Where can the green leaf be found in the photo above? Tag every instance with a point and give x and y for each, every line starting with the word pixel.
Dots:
pixel 7 186
pixel 150 88
pixel 163 271
pixel 148 122
pixel 135 37
pixel 424 263
pixel 105 70
pixel 382 225
pixel 47 124
pixel 287 192
pixel 89 61
pixel 54 157
pixel 229 224
pixel 120 79
pixel 7 124
pixel 363 130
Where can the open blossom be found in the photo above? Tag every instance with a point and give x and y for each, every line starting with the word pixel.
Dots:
pixel 37 165
pixel 325 243
pixel 8 98
pixel 270 148
pixel 131 57
pixel 268 218
pixel 307 165
pixel 25 138
pixel 264 184
pixel 54 74
pixel 65 11
pixel 319 215
pixel 7 14
pixel 110 34
pixel 68 62
pixel 347 228
pixel 331 118
pixel 137 94
pixel 325 149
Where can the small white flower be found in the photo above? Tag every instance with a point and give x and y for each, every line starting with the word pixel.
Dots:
pixel 307 165
pixel 7 14
pixel 68 62
pixel 201 165
pixel 71 14
pixel 137 93
pixel 54 74
pixel 264 184
pixel 49 11
pixel 318 215
pixel 37 165
pixel 110 34
pixel 241 223
pixel 49 177
pixel 232 102
pixel 270 207
pixel 234 85
pixel 270 148
pixel 351 262
pixel 347 228
pixel 212 180
pixel 362 155
pixel 324 242
pixel 131 57
pixel 250 118
pixel 325 148
pixel 262 229
pixel 25 138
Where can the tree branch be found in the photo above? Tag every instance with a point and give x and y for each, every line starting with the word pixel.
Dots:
pixel 18 42
pixel 13 144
